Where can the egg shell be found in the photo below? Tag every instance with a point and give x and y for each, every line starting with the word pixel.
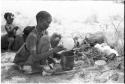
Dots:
pixel 68 43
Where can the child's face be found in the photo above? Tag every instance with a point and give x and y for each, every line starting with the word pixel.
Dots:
pixel 10 19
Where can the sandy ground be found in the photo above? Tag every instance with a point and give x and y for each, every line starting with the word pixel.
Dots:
pixel 83 75
pixel 70 19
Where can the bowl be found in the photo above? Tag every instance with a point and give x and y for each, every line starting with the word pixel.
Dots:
pixel 100 63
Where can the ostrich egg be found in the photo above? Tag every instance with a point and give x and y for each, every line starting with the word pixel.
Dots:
pixel 68 43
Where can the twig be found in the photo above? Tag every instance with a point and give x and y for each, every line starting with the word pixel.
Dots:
pixel 105 71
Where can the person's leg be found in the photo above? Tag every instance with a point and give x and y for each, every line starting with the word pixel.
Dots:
pixel 31 66
pixel 18 61
pixel 42 47
pixel 34 68
pixel 37 68
pixel 11 41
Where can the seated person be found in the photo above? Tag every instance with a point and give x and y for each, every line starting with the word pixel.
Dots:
pixel 10 28
pixel 36 48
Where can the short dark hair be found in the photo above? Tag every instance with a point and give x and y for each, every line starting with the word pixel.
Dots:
pixel 8 14
pixel 42 15
pixel 54 42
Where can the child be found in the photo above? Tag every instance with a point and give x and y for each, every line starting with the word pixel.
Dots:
pixel 10 29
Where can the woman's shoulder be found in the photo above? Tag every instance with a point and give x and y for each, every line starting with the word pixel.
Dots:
pixel 32 35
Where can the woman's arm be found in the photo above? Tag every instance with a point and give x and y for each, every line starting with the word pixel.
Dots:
pixel 31 46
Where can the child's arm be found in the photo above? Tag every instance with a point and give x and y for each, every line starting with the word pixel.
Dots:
pixel 7 29
pixel 15 29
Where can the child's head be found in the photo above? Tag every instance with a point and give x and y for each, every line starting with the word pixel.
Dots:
pixel 43 19
pixel 9 17
pixel 55 38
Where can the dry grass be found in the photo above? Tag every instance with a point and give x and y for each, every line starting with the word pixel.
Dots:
pixel 115 37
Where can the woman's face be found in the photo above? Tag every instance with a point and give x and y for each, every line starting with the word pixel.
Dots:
pixel 44 24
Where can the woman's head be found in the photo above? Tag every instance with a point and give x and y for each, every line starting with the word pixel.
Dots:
pixel 43 19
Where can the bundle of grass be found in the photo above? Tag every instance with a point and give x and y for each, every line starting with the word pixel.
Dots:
pixel 95 38
pixel 84 46
pixel 120 63
pixel 93 54
pixel 117 63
